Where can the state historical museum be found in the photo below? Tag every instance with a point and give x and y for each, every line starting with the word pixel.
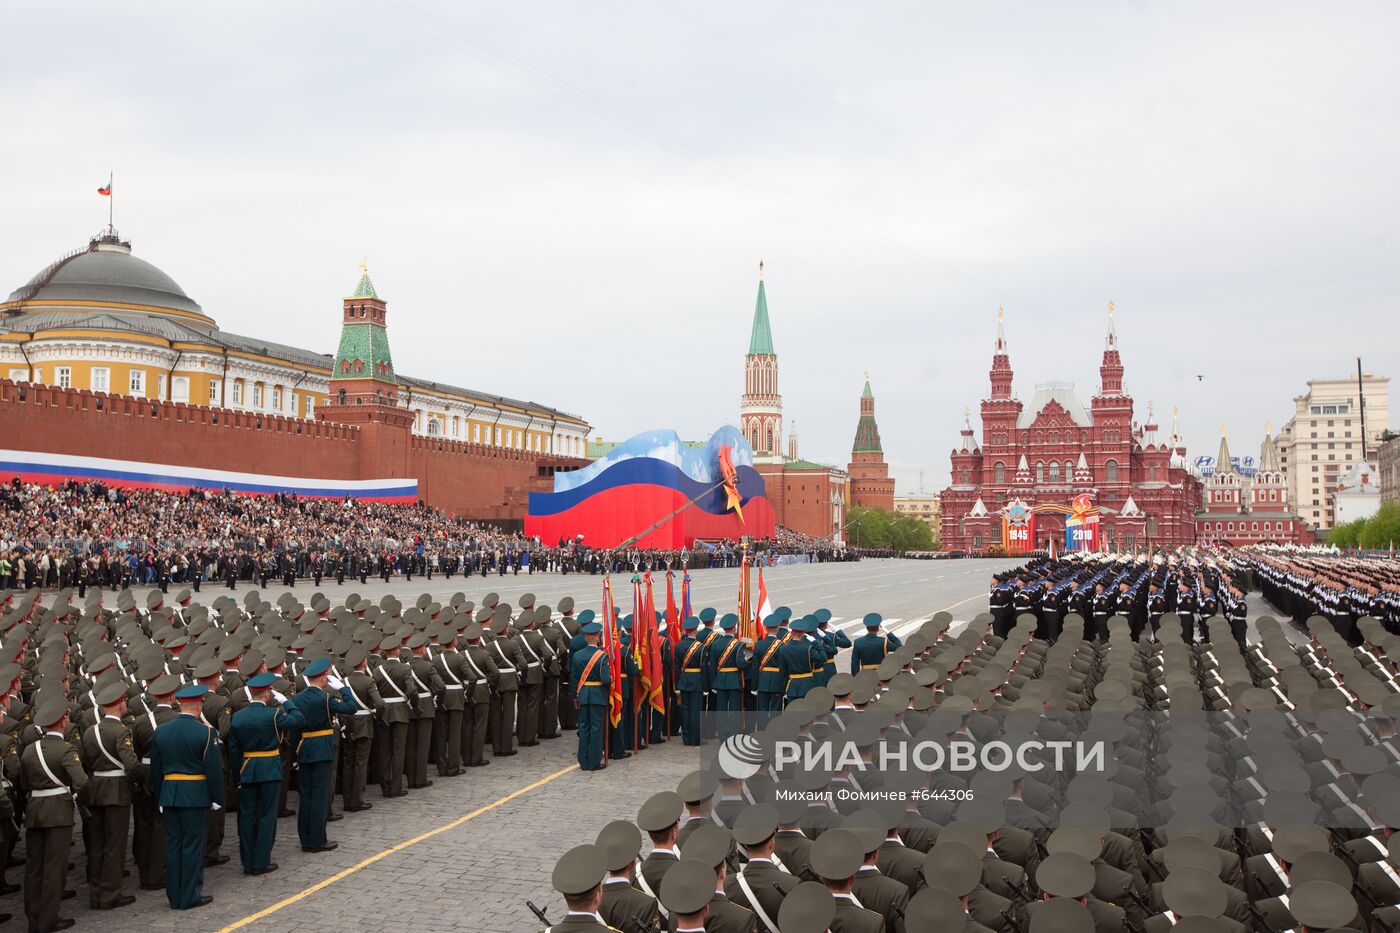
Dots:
pixel 1040 465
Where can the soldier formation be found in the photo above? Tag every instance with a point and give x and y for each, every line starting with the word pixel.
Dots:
pixel 147 724
pixel 1241 785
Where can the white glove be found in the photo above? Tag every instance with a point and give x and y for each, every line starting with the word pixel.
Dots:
pixel 215 806
pixel 160 809
pixel 334 682
pixel 279 697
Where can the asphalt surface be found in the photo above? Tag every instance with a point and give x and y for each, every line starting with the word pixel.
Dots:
pixel 465 854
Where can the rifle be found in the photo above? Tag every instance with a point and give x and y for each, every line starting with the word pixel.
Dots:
pixel 539 914
pixel 644 926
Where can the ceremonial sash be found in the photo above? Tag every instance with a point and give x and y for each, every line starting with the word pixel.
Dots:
pixel 587 669
pixel 777 643
pixel 690 653
pixel 753 901
pixel 97 737
pixel 719 665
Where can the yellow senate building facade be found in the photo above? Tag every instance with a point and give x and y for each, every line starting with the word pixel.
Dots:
pixel 102 319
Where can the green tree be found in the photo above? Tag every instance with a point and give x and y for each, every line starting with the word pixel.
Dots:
pixel 1347 535
pixel 874 528
pixel 1382 529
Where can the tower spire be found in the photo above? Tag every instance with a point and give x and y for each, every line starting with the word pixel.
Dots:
pixel 761 337
pixel 1223 463
pixel 1001 374
pixel 1111 340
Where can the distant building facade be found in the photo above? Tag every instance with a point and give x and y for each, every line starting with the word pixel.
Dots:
pixel 1323 439
pixel 1388 459
pixel 871 485
pixel 1357 494
pixel 926 507
pixel 1055 449
pixel 1239 509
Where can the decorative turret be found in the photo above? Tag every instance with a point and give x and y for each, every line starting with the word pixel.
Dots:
pixel 1111 369
pixel 1083 476
pixel 1223 463
pixel 871 485
pixel 363 386
pixel 761 407
pixel 1268 452
pixel 1001 374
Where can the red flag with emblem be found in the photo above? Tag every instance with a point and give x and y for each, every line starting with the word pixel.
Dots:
pixel 656 686
pixel 673 618
pixel 612 644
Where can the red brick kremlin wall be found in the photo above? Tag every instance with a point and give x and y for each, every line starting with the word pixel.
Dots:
pixel 472 480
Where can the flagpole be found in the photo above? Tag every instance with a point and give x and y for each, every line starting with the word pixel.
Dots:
pixel 111 199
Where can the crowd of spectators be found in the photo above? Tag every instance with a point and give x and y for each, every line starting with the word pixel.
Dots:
pixel 85 534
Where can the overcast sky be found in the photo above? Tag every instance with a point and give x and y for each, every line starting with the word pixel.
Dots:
pixel 570 206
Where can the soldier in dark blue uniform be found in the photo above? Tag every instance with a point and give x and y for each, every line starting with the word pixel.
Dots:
pixel 690 681
pixel 1101 608
pixel 872 647
pixel 705 633
pixel 254 737
pixel 1186 612
pixel 591 681
pixel 315 750
pixel 187 776
pixel 1156 607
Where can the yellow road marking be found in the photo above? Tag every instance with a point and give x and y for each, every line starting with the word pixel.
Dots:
pixel 345 873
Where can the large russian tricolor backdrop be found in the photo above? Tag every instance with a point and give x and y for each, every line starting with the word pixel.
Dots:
pixel 643 481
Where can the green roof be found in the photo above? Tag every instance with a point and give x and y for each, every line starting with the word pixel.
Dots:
pixel 366 288
pixel 364 347
pixel 761 340
pixel 867 436
pixel 807 465
pixel 867 393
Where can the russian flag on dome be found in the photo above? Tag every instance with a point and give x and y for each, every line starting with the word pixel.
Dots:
pixel 52 469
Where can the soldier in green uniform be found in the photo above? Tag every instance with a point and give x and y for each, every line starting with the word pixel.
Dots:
pixel 554 671
pixel 509 662
pixel 579 877
pixel 568 627
pixel 660 817
pixel 447 729
pixel 315 749
pixel 51 773
pixel 690 681
pixel 216 715
pixel 107 754
pixel 591 680
pixel 391 732
pixel 358 730
pixel 426 688
pixel 481 678
pixel 686 892
pixel 872 647
pixel 714 846
pixel 538 657
pixel 255 736
pixel 760 885
pixel 187 777
pixel 836 857
pixel 623 905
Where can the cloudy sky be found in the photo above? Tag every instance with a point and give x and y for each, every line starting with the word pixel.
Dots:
pixel 571 206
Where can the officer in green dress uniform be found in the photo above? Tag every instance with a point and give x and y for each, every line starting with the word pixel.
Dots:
pixel 725 658
pixel 691 681
pixel 872 647
pixel 591 680
pixel 315 749
pixel 834 639
pixel 766 672
pixel 713 846
pixel 579 877
pixel 800 657
pixel 187 776
pixel 255 736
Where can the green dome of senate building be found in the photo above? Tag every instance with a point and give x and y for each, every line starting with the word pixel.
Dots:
pixel 105 274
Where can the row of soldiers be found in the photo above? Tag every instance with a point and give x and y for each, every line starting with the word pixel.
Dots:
pixel 147 725
pixel 1144 592
pixel 1251 787
pixel 714 682
pixel 1341 588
